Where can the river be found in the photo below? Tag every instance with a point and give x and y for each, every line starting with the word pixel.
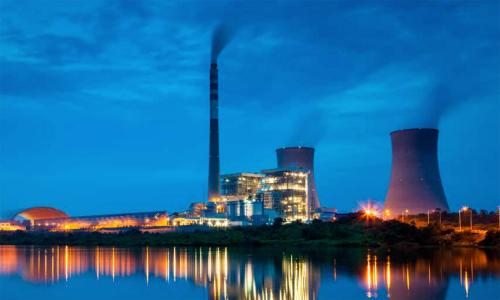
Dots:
pixel 65 272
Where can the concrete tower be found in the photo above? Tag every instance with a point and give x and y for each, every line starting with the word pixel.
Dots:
pixel 213 155
pixel 415 184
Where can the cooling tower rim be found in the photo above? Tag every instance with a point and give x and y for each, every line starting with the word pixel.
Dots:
pixel 295 148
pixel 414 129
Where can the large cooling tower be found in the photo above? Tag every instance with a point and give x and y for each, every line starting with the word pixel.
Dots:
pixel 300 157
pixel 213 156
pixel 415 184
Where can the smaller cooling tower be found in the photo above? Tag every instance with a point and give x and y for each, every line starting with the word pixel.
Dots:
pixel 300 157
pixel 415 184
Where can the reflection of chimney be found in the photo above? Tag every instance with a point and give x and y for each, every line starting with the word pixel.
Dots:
pixel 300 157
pixel 213 156
pixel 415 181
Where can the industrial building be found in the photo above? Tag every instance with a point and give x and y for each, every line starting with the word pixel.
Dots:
pixel 303 158
pixel 196 208
pixel 286 191
pixel 40 213
pixel 51 219
pixel 11 225
pixel 240 186
pixel 415 186
pixel 246 212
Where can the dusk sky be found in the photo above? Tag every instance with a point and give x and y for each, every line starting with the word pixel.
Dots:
pixel 104 105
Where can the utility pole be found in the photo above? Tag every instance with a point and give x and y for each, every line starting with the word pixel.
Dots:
pixel 459 220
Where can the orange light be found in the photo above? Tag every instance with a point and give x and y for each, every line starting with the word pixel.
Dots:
pixel 370 210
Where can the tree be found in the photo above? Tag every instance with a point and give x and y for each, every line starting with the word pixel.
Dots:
pixel 278 222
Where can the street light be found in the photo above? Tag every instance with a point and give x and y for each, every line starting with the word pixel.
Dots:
pixel 465 208
pixel 404 214
pixel 470 219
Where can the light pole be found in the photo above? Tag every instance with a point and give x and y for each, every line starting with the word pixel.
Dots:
pixel 428 217
pixel 439 211
pixel 460 217
pixel 459 220
pixel 471 219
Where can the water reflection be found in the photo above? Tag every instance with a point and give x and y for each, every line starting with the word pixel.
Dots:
pixel 261 274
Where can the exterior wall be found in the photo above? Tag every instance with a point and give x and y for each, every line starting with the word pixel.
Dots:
pixel 286 192
pixel 240 185
pixel 244 209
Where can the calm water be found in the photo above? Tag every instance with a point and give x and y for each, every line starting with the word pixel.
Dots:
pixel 224 273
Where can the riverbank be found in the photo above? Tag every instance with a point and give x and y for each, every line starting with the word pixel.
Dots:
pixel 354 233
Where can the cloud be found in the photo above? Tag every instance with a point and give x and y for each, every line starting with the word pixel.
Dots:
pixel 136 73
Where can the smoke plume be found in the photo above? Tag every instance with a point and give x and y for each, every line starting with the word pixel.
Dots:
pixel 220 38
pixel 456 85
pixel 309 129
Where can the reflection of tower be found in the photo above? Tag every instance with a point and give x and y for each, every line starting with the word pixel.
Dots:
pixel 213 160
pixel 420 279
pixel 300 157
pixel 261 274
pixel 415 185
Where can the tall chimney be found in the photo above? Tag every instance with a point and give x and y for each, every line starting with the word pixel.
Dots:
pixel 415 185
pixel 213 156
pixel 300 157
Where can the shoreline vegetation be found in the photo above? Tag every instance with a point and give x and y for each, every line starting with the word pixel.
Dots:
pixel 352 232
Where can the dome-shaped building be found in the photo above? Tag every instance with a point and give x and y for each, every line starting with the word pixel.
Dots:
pixel 40 213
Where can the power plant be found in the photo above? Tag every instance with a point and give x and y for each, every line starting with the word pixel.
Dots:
pixel 303 158
pixel 288 191
pixel 415 185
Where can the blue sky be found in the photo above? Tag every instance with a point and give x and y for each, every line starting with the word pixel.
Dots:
pixel 104 104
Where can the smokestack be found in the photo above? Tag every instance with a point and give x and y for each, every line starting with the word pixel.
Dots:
pixel 213 156
pixel 300 157
pixel 415 181
pixel 220 38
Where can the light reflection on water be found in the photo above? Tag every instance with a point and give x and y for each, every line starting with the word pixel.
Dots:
pixel 262 274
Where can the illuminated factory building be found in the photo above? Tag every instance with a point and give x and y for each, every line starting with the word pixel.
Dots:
pixel 47 218
pixel 286 192
pixel 246 199
pixel 240 186
pixel 246 212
